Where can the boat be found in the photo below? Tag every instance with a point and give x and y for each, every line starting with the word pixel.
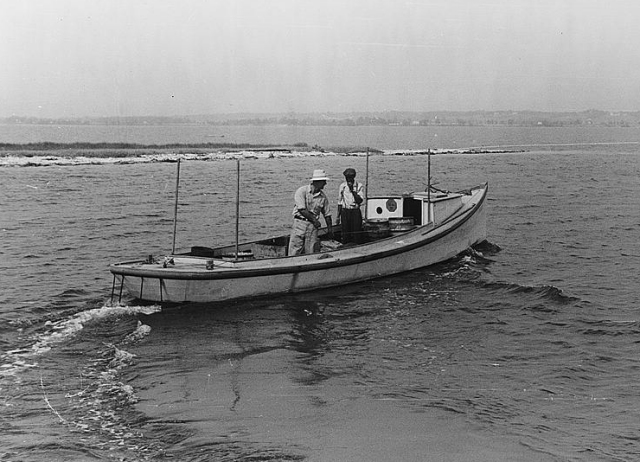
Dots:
pixel 403 233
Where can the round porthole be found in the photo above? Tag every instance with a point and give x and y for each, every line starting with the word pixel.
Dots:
pixel 392 205
pixel 379 210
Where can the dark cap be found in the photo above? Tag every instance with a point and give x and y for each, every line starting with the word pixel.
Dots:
pixel 349 172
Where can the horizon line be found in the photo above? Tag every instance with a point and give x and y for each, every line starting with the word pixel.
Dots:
pixel 324 113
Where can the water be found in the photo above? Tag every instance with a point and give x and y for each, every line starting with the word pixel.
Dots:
pixel 381 137
pixel 522 350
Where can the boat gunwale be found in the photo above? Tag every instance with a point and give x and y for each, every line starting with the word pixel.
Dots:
pixel 318 264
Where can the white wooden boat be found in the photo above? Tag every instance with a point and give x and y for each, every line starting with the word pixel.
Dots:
pixel 445 224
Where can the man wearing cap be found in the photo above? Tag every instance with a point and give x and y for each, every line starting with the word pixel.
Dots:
pixel 310 203
pixel 350 197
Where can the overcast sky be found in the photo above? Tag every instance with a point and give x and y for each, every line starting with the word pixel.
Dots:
pixel 74 58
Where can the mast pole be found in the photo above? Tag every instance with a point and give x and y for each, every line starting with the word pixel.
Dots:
pixel 175 210
pixel 237 209
pixel 429 185
pixel 366 184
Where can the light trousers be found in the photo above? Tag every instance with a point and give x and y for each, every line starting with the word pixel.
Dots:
pixel 304 238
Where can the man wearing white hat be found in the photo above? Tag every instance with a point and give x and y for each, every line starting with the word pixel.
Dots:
pixel 310 203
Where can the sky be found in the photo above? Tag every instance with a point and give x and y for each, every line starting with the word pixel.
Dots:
pixel 95 58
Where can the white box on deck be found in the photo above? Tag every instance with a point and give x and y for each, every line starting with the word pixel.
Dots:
pixel 384 207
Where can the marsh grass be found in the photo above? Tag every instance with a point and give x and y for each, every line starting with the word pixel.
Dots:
pixel 104 150
pixel 101 153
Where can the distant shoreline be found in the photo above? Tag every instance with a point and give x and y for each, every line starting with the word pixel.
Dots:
pixel 477 118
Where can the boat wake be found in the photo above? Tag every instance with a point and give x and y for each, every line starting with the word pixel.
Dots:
pixel 100 410
pixel 61 331
pixel 486 248
pixel 96 401
pixel 58 332
pixel 543 292
pixel 471 265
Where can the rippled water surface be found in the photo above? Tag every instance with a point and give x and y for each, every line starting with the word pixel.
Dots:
pixel 524 349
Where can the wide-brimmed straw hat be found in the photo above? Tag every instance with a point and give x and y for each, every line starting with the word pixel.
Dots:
pixel 319 175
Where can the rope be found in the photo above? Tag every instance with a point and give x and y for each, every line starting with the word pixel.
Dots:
pixel 46 400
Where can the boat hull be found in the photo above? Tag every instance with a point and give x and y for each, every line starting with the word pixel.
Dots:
pixel 423 246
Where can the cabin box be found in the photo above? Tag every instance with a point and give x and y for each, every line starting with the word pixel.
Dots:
pixel 416 205
pixel 384 207
pixel 442 205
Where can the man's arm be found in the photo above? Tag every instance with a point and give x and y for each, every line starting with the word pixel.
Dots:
pixel 309 216
pixel 356 195
pixel 327 218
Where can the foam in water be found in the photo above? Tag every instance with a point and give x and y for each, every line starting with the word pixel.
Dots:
pixel 65 329
pixel 28 161
pixel 60 331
